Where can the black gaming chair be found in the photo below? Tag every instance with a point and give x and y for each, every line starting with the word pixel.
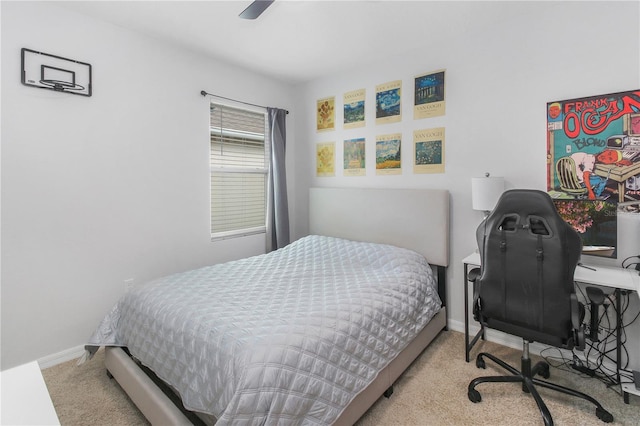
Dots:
pixel 525 288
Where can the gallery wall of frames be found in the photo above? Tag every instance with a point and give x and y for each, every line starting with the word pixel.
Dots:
pixel 428 94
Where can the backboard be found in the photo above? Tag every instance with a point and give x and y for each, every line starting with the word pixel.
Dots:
pixel 53 72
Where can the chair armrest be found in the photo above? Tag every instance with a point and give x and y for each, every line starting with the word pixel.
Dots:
pixel 473 274
pixel 577 314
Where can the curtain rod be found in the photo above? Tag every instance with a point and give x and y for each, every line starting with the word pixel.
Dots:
pixel 203 93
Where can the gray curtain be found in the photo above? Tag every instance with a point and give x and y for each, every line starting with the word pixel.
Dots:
pixel 277 206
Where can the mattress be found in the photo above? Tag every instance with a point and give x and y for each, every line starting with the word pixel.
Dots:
pixel 289 337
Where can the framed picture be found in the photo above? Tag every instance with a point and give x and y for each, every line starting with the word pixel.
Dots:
pixel 593 147
pixel 325 114
pixel 388 154
pixel 428 150
pixel 354 103
pixel 326 159
pixel 388 102
pixel 354 157
pixel 428 95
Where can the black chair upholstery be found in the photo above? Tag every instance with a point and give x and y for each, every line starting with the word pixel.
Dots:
pixel 525 288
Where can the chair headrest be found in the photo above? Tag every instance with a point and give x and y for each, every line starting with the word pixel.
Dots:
pixel 525 202
pixel 529 208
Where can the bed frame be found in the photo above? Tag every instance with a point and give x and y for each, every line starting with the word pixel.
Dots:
pixel 417 219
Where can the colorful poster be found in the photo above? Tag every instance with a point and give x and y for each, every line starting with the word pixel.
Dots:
pixel 428 150
pixel 354 109
pixel 388 160
pixel 325 159
pixel 325 114
pixel 388 106
pixel 354 157
pixel 428 95
pixel 593 148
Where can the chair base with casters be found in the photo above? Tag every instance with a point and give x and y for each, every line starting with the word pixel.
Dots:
pixel 526 376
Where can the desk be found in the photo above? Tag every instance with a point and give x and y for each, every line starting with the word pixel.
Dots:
pixel 617 278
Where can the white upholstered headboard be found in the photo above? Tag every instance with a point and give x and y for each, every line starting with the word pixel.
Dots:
pixel 417 219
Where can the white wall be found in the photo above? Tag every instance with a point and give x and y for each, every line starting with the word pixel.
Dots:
pixel 101 189
pixel 97 190
pixel 501 70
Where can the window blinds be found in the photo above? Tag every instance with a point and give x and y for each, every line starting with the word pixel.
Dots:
pixel 239 167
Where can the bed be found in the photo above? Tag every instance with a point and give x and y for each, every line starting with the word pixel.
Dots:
pixel 318 331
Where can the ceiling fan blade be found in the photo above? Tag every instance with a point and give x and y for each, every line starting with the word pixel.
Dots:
pixel 255 9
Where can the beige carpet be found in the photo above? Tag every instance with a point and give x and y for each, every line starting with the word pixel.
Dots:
pixel 433 391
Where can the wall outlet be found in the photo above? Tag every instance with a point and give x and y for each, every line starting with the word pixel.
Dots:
pixel 128 285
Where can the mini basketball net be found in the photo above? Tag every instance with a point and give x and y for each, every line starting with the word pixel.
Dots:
pixel 53 72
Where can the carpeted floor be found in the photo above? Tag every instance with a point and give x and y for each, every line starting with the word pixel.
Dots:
pixel 433 391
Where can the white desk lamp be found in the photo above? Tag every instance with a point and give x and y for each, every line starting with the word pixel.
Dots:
pixel 485 192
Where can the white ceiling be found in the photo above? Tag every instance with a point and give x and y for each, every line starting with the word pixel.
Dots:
pixel 295 41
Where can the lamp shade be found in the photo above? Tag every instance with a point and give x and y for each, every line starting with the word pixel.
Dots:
pixel 485 192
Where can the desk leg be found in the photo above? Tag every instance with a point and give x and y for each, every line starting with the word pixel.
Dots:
pixel 466 313
pixel 468 345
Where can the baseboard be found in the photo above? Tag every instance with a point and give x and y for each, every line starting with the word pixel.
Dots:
pixel 60 357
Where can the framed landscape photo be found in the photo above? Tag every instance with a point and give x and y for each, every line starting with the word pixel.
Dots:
pixel 388 154
pixel 354 104
pixel 354 157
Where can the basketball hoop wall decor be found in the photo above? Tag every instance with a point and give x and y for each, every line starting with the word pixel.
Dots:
pixel 52 72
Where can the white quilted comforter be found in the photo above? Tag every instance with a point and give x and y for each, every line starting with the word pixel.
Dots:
pixel 290 337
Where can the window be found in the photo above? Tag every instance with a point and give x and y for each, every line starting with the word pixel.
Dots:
pixel 239 166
